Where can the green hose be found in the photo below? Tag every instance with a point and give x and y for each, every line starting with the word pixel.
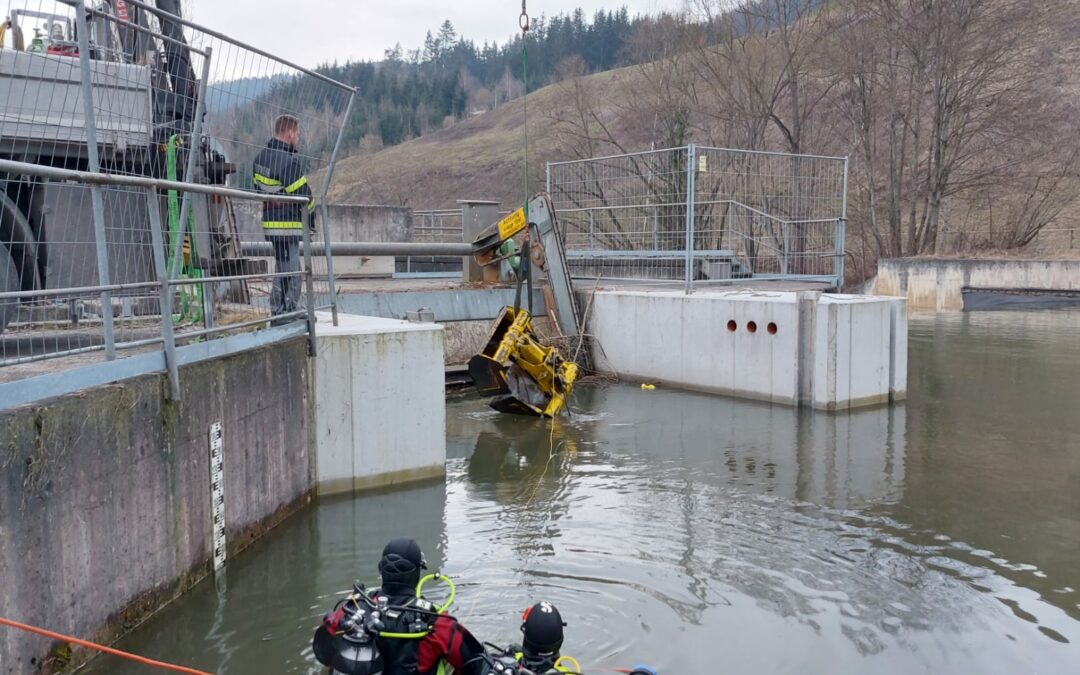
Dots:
pixel 191 296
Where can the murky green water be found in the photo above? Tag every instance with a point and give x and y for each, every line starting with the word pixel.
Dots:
pixel 707 535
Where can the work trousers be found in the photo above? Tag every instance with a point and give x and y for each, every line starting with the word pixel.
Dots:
pixel 285 294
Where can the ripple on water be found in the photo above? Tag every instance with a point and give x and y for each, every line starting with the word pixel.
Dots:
pixel 671 529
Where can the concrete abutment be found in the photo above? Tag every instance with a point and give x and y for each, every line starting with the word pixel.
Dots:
pixel 826 351
pixel 105 494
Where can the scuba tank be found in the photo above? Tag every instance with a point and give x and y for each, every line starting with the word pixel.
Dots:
pixel 356 655
pixel 511 661
pixel 346 641
pixel 503 664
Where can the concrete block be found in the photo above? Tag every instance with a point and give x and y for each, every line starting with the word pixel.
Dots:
pixel 362 267
pixel 105 494
pixel 855 351
pixel 898 328
pixel 828 351
pixel 365 368
pixel 935 284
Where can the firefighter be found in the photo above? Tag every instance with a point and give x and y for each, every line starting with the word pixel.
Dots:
pixel 278 171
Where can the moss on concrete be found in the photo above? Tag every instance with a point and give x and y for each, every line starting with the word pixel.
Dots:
pixel 120 475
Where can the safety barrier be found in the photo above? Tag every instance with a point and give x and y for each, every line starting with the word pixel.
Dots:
pixel 695 215
pixel 127 135
pixel 440 226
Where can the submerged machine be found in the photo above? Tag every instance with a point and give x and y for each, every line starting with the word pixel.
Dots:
pixel 525 374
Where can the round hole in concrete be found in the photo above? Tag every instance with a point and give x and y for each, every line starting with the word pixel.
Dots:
pixel 732 326
pixel 752 327
pixel 771 328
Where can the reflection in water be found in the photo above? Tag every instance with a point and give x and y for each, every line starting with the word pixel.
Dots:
pixel 705 535
pixel 832 460
pixel 276 592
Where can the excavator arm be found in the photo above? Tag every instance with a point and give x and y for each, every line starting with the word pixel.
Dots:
pixel 526 376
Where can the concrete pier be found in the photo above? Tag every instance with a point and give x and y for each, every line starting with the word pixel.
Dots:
pixel 105 494
pixel 832 352
pixel 380 412
pixel 937 285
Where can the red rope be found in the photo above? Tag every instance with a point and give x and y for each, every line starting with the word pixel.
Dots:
pixel 101 648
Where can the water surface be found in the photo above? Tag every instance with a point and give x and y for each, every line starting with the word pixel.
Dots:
pixel 704 535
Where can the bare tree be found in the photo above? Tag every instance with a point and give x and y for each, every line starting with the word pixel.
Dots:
pixel 937 94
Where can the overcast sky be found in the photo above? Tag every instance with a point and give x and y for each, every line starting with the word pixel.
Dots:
pixel 311 32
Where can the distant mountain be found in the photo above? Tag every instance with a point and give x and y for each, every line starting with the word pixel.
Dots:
pixel 237 93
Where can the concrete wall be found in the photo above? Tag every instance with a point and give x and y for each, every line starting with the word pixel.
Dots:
pixel 465 313
pixel 860 351
pixel 380 408
pixel 348 222
pixel 105 495
pixel 934 285
pixel 829 352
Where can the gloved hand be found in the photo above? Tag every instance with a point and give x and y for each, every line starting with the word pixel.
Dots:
pixel 311 221
pixel 643 670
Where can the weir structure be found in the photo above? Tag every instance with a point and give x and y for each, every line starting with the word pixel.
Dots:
pixel 155 419
pixel 717 269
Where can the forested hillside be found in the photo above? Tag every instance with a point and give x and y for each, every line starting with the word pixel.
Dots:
pixel 959 117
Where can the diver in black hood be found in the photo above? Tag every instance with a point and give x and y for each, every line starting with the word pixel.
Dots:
pixel 393 629
pixel 541 648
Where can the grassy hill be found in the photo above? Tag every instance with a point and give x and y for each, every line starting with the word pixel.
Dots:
pixel 482 157
pixel 478 158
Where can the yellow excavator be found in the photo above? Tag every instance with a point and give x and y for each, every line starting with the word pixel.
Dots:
pixel 523 374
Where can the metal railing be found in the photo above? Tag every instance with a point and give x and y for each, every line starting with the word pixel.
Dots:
pixel 438 226
pixel 126 139
pixel 695 215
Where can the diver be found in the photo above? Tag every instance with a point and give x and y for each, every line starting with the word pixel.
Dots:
pixel 540 650
pixel 393 629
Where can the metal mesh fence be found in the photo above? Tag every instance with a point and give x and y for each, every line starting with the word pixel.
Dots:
pixel 768 215
pixel 126 89
pixel 624 217
pixel 433 226
pixel 736 215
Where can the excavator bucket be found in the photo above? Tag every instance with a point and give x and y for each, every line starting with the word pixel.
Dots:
pixel 487 374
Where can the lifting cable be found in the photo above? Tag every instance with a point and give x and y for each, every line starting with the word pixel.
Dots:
pixel 101 648
pixel 525 273
pixel 523 22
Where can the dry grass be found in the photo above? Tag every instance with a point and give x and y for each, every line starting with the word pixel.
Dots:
pixel 478 158
pixel 483 158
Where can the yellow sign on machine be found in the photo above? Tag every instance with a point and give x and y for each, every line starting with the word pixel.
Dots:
pixel 512 224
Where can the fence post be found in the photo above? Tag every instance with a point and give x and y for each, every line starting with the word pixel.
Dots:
pixel 785 238
pixel 97 202
pixel 189 168
pixel 476 214
pixel 305 238
pixel 547 177
pixel 691 171
pixel 324 207
pixel 841 233
pixel 165 297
